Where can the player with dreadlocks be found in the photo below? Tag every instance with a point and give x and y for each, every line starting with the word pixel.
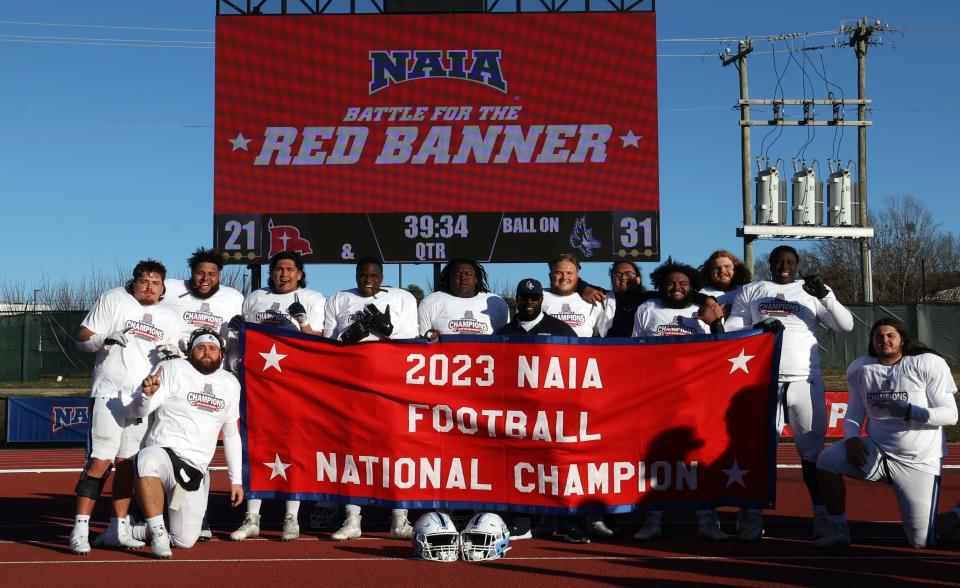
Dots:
pixel 463 304
pixel 673 313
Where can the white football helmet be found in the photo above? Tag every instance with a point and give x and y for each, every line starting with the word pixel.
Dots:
pixel 435 537
pixel 486 536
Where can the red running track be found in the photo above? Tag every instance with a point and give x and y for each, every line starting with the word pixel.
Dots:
pixel 38 508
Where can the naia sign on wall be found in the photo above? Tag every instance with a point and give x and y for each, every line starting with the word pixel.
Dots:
pixel 539 425
pixel 424 113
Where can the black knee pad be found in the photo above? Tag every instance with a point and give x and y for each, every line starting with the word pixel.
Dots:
pixel 91 487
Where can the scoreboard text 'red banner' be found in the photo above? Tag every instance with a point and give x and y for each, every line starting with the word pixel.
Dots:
pixel 502 137
pixel 537 424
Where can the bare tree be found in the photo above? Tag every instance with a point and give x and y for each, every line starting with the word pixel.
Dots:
pixel 910 252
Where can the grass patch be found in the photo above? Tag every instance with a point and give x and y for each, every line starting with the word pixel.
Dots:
pixel 51 383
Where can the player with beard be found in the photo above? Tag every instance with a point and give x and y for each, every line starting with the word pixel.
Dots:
pixel 463 305
pixel 904 391
pixel 202 302
pixel 192 401
pixel 563 302
pixel 674 314
pixel 288 304
pixel 130 333
pixel 723 275
pixel 530 318
pixel 800 306
pixel 628 294
pixel 371 312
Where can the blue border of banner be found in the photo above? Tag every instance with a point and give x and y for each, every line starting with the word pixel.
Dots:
pixel 770 502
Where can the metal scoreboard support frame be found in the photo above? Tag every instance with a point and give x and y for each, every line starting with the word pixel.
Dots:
pixel 289 7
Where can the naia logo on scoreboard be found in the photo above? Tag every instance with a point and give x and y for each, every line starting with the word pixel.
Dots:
pixel 287 238
pixel 395 67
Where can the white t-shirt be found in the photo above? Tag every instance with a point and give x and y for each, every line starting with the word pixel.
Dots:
pixel 582 316
pixel 122 369
pixel 189 409
pixel 482 314
pixel 799 312
pixel 607 314
pixel 654 319
pixel 266 308
pixel 922 380
pixel 213 313
pixel 345 307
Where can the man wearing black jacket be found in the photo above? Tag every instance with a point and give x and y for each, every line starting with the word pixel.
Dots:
pixel 530 318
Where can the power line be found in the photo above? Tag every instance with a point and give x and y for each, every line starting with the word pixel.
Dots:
pixel 108 39
pixel 99 26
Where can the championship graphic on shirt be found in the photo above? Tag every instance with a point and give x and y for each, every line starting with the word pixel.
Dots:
pixel 778 307
pixel 203 318
pixel 886 392
pixel 144 329
pixel 679 326
pixel 469 325
pixel 567 315
pixel 272 316
pixel 206 400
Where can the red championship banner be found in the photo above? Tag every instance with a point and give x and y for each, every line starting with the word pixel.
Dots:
pixel 522 425
pixel 474 135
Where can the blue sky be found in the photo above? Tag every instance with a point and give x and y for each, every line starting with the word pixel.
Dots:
pixel 106 131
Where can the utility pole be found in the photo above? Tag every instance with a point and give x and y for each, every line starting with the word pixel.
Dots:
pixel 778 229
pixel 859 40
pixel 744 48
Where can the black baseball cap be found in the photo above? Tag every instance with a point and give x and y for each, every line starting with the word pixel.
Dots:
pixel 529 287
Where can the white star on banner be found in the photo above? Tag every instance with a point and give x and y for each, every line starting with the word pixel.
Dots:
pixel 272 359
pixel 630 140
pixel 740 362
pixel 278 468
pixel 240 142
pixel 735 475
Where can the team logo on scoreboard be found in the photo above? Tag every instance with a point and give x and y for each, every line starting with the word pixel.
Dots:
pixel 582 239
pixel 287 238
pixel 397 66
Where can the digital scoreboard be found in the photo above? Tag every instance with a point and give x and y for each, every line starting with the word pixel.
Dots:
pixel 504 137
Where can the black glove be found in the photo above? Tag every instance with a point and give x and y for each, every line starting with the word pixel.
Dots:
pixel 235 323
pixel 814 286
pixel 358 331
pixel 380 320
pixel 297 311
pixel 769 325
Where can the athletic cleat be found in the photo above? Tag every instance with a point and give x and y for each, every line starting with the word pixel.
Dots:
pixel 598 528
pixel 576 534
pixel 80 539
pixel 708 527
pixel 520 529
pixel 291 528
pixel 249 529
pixel 750 526
pixel 948 524
pixel 205 533
pixel 821 526
pixel 838 536
pixel 652 527
pixel 160 543
pixel 547 526
pixel 349 530
pixel 401 529
pixel 118 534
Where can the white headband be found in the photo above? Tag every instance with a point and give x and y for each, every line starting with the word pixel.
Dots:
pixel 205 338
